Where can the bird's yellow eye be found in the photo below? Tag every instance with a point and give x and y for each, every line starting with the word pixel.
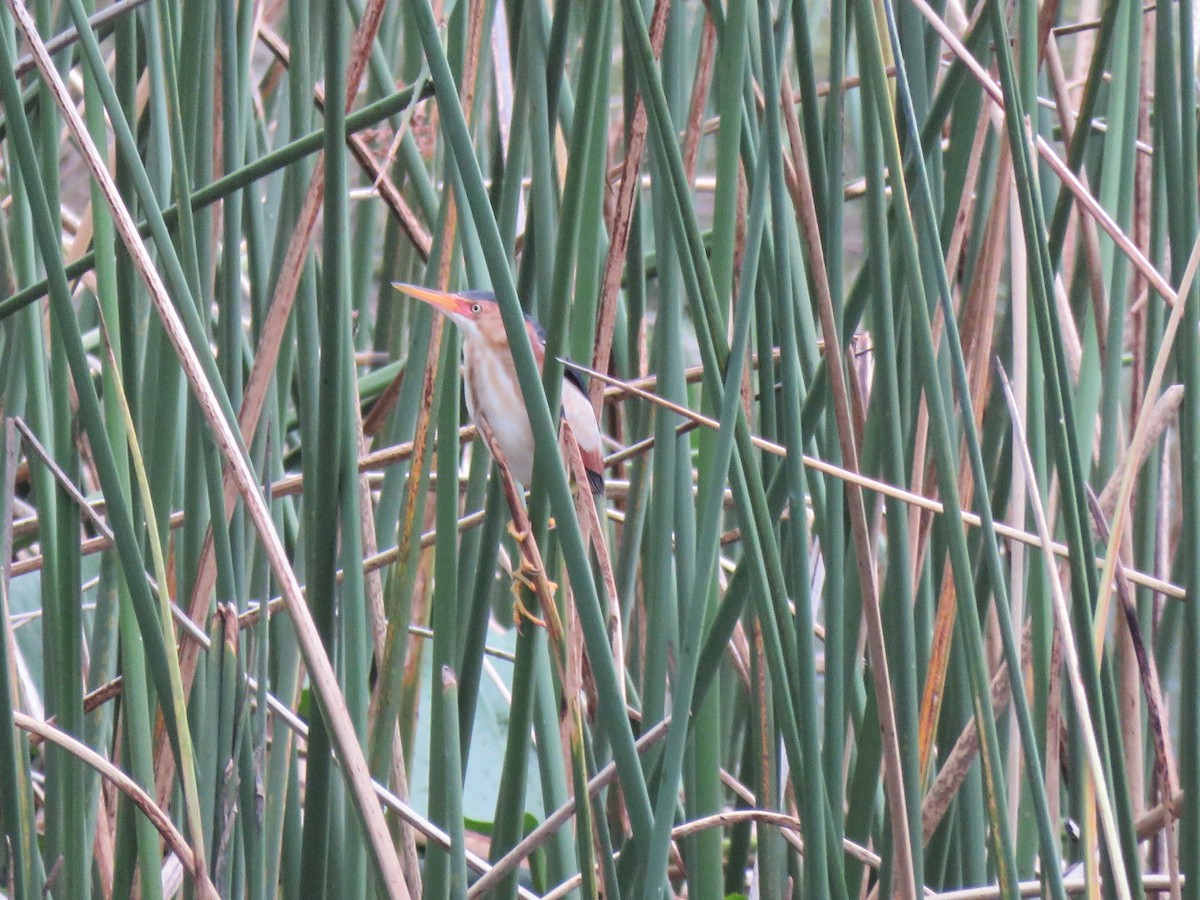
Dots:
pixel 475 307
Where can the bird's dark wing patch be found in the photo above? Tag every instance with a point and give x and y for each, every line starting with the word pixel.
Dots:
pixel 537 328
pixel 576 379
pixel 595 482
pixel 572 375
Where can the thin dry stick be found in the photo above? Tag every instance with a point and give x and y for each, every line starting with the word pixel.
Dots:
pixel 921 523
pixel 90 511
pixel 1071 656
pixel 275 325
pixel 372 564
pixel 1131 465
pixel 532 570
pixel 321 672
pixel 406 813
pixel 1160 816
pixel 1091 238
pixel 614 262
pixel 953 770
pixel 536 838
pixel 126 785
pixel 1165 411
pixel 857 851
pixel 88 149
pixel 37 449
pixel 370 543
pixel 66 38
pixel 296 726
pixel 383 185
pixel 882 487
pixel 864 556
pixel 966 205
pixel 1087 201
pixel 1140 434
pixel 592 526
pixel 1143 202
pixel 1077 885
pixel 789 824
pixel 1054 702
pixel 977 353
pixel 92 701
pixel 103 847
pixel 392 638
pixel 390 642
pixel 695 119
pixel 1017 560
pixel 850 82
pixel 408 515
pixel 1156 708
pixel 288 485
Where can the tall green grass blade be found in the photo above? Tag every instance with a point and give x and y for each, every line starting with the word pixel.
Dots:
pixel 20 825
pixel 617 727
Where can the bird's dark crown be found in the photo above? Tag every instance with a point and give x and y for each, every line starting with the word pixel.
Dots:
pixel 478 295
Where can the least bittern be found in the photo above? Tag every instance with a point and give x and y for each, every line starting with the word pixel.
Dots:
pixel 490 380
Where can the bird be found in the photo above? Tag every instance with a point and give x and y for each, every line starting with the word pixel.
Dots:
pixel 493 395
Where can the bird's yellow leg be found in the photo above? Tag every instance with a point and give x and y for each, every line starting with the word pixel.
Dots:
pixel 518 535
pixel 529 575
pixel 521 613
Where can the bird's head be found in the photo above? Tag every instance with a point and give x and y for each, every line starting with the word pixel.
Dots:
pixel 475 312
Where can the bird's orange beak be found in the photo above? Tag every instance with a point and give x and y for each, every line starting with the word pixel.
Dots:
pixel 451 304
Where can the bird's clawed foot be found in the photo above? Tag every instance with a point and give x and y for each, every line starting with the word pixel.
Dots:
pixel 518 535
pixel 531 575
pixel 528 575
pixel 521 613
pixel 522 535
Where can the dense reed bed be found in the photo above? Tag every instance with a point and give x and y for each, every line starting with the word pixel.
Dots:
pixel 891 318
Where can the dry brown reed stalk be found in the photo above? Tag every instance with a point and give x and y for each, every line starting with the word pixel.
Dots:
pixel 320 670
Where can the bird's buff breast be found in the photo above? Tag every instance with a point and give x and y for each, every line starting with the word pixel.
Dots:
pixel 494 397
